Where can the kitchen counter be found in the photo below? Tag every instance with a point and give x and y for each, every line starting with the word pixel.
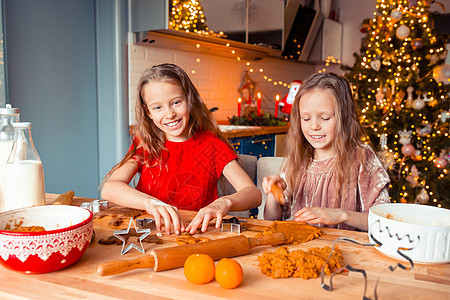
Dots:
pixel 234 131
pixel 81 279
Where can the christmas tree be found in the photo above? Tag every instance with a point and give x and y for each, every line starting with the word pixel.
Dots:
pixel 187 15
pixel 402 91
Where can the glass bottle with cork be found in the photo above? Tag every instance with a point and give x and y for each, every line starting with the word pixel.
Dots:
pixel 24 173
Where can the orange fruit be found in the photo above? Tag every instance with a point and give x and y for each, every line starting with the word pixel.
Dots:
pixel 199 268
pixel 229 273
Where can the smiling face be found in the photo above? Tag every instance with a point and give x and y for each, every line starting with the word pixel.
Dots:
pixel 318 122
pixel 168 108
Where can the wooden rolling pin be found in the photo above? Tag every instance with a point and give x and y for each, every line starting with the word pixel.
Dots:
pixel 171 258
pixel 64 198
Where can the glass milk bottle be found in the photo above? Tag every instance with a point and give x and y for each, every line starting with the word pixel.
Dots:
pixel 24 174
pixel 8 116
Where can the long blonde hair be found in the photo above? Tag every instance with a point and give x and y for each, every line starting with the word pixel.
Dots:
pixel 150 137
pixel 348 133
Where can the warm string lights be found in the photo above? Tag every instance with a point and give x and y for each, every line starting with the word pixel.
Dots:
pixel 328 61
pixel 404 105
pixel 250 68
pixel 188 16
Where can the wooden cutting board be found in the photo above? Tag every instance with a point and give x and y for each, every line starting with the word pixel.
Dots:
pixel 81 280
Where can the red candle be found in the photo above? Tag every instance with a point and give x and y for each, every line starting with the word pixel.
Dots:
pixel 277 101
pixel 258 105
pixel 239 106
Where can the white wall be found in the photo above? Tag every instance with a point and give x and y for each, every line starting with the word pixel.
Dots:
pixel 218 78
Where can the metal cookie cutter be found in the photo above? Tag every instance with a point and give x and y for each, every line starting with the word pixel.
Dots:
pixel 143 227
pixel 233 225
pixel 96 205
pixel 329 287
pixel 147 223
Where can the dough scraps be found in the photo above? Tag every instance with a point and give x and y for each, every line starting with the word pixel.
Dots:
pixel 298 263
pixel 295 232
pixel 31 228
pixel 186 239
pixel 119 212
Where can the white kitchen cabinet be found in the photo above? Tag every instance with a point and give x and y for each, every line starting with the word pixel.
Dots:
pixel 328 42
pixel 149 15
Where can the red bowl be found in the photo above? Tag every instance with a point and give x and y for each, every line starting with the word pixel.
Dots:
pixel 68 231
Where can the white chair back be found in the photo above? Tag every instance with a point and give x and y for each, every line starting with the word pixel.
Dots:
pixel 266 166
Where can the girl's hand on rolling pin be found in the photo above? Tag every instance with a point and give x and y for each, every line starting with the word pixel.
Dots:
pixel 216 209
pixel 316 215
pixel 276 185
pixel 168 213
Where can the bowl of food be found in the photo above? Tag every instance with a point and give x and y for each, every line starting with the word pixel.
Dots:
pixel 420 232
pixel 43 239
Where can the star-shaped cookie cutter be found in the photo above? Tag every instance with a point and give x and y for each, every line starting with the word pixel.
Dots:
pixel 146 230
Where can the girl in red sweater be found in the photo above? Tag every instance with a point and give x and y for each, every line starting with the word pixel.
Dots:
pixel 180 154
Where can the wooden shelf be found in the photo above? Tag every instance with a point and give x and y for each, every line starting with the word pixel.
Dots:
pixel 184 41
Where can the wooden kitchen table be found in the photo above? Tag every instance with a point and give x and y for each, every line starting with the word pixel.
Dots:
pixel 81 280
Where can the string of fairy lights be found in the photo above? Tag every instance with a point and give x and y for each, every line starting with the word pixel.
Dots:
pixel 413 16
pixel 328 61
pixel 188 16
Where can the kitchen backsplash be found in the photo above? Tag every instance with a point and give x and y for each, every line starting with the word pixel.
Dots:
pixel 218 78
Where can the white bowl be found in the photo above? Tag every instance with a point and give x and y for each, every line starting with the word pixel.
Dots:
pixel 425 229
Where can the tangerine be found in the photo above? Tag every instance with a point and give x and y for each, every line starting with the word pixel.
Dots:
pixel 229 273
pixel 199 268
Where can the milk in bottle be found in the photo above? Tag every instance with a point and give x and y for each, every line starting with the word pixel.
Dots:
pixel 24 173
pixel 8 116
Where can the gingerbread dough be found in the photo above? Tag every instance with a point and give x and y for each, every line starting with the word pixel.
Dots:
pixel 185 239
pixel 304 264
pixel 119 212
pixel 295 232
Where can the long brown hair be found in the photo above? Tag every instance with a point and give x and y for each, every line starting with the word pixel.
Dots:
pixel 150 137
pixel 348 139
